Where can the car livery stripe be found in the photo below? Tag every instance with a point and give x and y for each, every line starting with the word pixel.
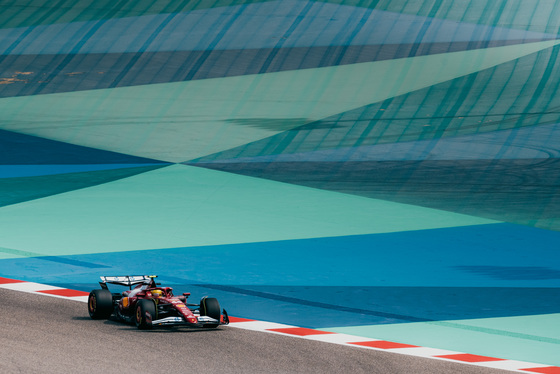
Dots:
pixel 318 335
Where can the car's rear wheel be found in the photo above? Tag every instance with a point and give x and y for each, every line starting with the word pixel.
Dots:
pixel 210 307
pixel 100 304
pixel 146 312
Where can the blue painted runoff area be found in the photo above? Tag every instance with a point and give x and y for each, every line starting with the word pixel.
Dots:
pixel 343 281
pixel 21 149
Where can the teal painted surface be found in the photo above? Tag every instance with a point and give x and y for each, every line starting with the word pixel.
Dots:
pixel 183 206
pixel 16 190
pixel 525 338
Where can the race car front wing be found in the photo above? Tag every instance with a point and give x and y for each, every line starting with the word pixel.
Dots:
pixel 201 321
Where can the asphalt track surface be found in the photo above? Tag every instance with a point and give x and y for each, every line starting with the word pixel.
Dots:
pixel 43 334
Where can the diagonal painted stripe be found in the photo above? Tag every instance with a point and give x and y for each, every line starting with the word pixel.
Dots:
pixel 423 351
pixel 227 108
pixel 469 358
pixel 335 338
pixel 316 304
pixel 9 281
pixel 19 171
pixel 544 370
pixel 185 206
pixel 492 331
pixel 52 12
pixel 56 259
pixel 65 292
pixel 512 365
pixel 300 331
pixel 28 287
pixel 383 344
pixel 239 320
pixel 260 325
pixel 274 24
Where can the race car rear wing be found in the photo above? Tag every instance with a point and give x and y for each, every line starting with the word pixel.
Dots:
pixel 127 280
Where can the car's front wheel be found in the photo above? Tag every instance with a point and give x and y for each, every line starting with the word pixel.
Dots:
pixel 146 312
pixel 210 307
pixel 100 304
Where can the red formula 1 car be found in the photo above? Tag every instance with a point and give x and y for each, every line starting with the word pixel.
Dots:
pixel 147 304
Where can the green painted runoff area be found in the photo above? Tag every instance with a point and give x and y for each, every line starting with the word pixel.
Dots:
pixel 183 206
pixel 524 338
pixel 181 121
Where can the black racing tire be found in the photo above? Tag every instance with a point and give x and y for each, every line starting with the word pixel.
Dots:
pixel 210 307
pixel 143 308
pixel 100 304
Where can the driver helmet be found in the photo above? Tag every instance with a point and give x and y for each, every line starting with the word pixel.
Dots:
pixel 157 293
